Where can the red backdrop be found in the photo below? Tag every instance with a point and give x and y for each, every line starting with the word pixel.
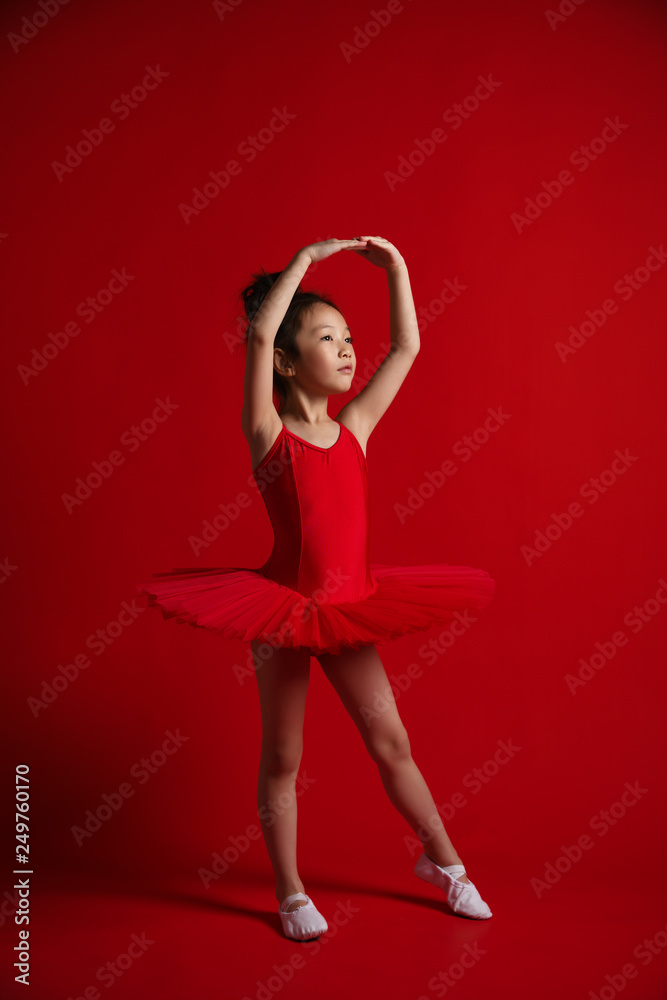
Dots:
pixel 156 155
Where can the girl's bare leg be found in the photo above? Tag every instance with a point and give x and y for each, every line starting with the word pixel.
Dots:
pixel 282 681
pixel 359 677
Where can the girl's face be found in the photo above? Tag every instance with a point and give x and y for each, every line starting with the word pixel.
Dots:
pixel 327 360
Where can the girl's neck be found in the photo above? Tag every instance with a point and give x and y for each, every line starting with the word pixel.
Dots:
pixel 306 416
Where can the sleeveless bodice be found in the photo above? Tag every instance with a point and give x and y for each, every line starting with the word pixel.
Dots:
pixel 318 591
pixel 317 501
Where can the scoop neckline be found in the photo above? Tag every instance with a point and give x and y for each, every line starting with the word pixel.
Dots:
pixel 310 443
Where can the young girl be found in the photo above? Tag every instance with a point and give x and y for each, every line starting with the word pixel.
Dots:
pixel 318 594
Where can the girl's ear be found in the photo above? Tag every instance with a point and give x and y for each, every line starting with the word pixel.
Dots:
pixel 280 362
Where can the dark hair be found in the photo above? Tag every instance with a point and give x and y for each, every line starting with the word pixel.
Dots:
pixel 252 297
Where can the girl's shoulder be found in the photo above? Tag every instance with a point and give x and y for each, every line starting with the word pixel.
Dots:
pixel 350 419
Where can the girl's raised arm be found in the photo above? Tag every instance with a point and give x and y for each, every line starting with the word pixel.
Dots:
pixel 368 406
pixel 259 413
pixel 259 419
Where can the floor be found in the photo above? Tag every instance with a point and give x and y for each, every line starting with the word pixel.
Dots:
pixel 390 935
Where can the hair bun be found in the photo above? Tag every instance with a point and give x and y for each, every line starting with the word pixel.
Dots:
pixel 285 337
pixel 254 294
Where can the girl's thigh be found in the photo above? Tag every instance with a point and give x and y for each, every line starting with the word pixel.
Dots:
pixel 282 682
pixel 360 680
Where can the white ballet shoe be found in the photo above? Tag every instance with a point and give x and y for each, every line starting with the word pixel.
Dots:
pixel 304 922
pixel 462 897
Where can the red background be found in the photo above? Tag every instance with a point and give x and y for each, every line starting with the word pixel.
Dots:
pixel 171 334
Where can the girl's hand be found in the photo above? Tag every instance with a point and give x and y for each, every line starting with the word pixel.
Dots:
pixel 381 252
pixel 320 251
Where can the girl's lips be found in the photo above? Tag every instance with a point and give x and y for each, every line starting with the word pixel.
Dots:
pixel 347 368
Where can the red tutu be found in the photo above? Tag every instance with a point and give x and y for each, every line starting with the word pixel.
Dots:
pixel 318 589
pixel 241 603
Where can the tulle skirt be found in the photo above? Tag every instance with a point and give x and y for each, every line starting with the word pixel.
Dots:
pixel 241 603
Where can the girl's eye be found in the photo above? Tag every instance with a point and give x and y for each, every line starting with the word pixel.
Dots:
pixel 351 339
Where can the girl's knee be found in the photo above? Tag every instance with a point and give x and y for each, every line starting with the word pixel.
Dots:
pixel 390 747
pixel 281 758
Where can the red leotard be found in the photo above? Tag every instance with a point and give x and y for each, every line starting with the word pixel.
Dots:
pixel 317 590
